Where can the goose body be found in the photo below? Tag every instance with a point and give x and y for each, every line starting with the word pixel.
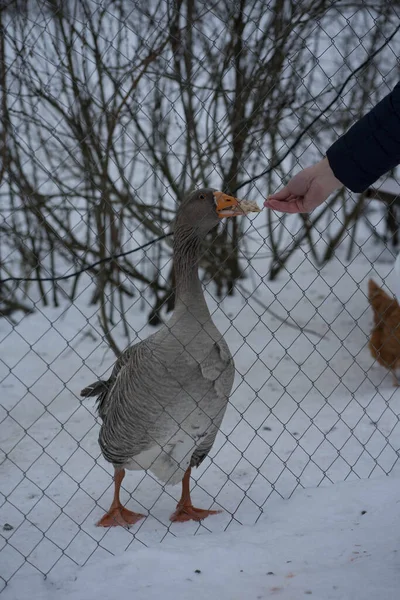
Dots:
pixel 166 397
pixel 163 405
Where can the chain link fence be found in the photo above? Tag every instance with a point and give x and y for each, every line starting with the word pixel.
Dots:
pixel 111 113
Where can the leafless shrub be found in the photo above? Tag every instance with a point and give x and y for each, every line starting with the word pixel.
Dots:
pixel 112 111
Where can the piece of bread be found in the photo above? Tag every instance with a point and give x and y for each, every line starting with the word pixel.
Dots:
pixel 249 206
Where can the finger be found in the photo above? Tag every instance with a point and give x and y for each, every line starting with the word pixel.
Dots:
pixel 283 194
pixel 296 205
pixel 281 205
pixel 289 198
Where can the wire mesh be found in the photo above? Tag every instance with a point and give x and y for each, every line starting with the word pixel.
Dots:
pixel 111 113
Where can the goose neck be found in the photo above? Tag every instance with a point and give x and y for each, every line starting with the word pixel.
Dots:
pixel 187 246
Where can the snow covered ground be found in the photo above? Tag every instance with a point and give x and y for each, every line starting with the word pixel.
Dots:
pixel 339 543
pixel 309 409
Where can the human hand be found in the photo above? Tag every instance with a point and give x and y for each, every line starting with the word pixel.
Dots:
pixel 306 190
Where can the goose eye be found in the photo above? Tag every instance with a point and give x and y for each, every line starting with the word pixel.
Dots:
pixel 202 197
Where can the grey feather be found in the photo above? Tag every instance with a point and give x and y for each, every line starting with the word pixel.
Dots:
pixel 95 389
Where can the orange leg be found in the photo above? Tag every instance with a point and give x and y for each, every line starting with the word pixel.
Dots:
pixel 185 511
pixel 118 514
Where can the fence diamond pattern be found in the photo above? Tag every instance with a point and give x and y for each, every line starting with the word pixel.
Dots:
pixel 108 117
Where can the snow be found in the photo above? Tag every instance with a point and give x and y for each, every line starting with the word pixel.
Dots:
pixel 338 542
pixel 309 408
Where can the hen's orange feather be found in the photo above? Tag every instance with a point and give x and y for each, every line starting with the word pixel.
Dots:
pixel 384 342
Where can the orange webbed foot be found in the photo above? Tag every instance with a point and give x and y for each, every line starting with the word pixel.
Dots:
pixel 191 513
pixel 119 516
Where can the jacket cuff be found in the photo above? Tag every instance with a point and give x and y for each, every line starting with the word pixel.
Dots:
pixel 346 169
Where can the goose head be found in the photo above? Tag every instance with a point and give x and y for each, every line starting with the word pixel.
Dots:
pixel 203 209
pixel 198 214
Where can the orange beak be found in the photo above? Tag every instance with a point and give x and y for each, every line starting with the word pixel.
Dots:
pixel 227 206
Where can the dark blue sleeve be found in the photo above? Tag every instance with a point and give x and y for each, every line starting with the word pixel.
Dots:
pixel 371 147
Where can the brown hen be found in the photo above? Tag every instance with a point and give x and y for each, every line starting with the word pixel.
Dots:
pixel 384 343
